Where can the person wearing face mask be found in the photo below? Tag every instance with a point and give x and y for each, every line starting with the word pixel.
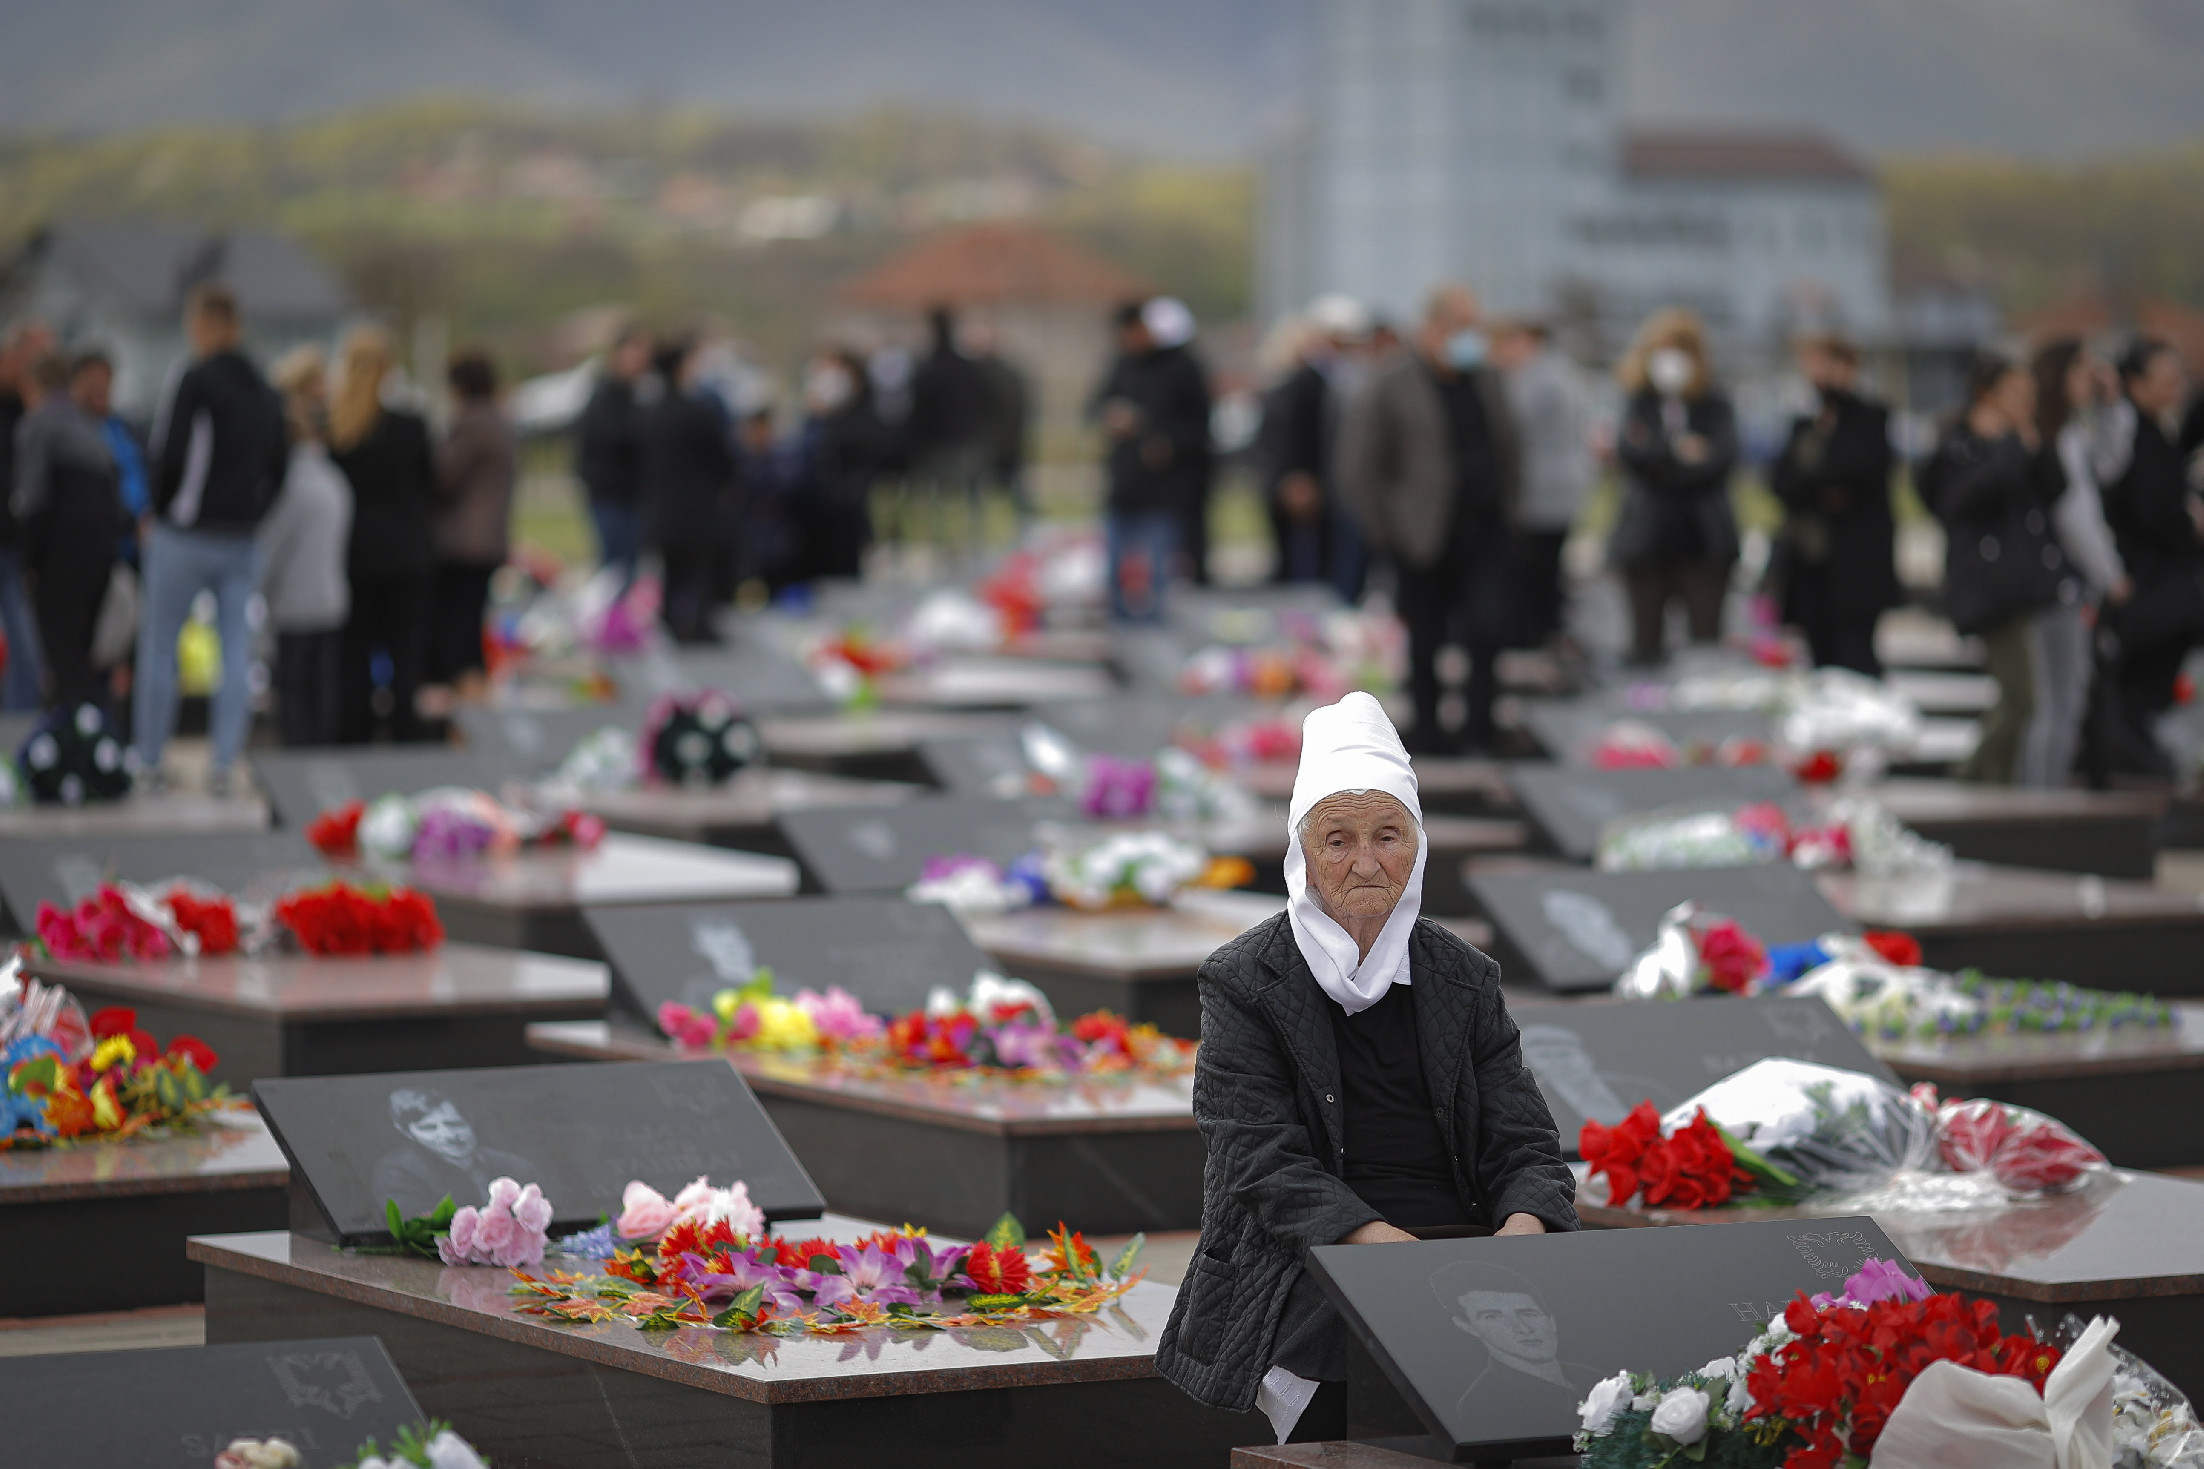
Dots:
pixel 1430 458
pixel 1992 483
pixel 1833 562
pixel 1359 1082
pixel 1677 447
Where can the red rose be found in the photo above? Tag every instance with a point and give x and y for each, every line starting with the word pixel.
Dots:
pixel 1896 948
pixel 1733 957
pixel 336 832
pixel 113 1020
pixel 196 1051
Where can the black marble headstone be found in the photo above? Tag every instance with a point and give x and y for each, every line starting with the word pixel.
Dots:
pixel 1571 806
pixel 888 953
pixel 182 1406
pixel 1595 1059
pixel 301 784
pixel 1135 726
pixel 532 741
pixel 62 870
pixel 580 1132
pixel 990 765
pixel 1576 929
pixel 762 680
pixel 885 849
pixel 1442 1318
pixel 1568 728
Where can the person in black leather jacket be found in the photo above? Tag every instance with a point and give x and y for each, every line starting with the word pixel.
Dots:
pixel 1834 565
pixel 1359 1082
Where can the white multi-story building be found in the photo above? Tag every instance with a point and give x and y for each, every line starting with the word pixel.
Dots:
pixel 1481 141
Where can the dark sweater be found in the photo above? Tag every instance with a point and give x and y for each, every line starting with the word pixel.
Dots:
pixel 393 477
pixel 223 405
pixel 608 452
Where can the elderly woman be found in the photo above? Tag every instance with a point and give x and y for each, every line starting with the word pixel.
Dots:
pixel 1359 1083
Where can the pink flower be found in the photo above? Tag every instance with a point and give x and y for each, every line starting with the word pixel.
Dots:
pixel 533 1210
pixel 494 1232
pixel 706 1205
pixel 507 1231
pixel 503 1193
pixel 456 1248
pixel 838 1015
pixel 644 1213
pixel 745 1024
pixel 685 1027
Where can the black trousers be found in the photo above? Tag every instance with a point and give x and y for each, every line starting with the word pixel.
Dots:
pixel 1839 636
pixel 692 574
pixel 66 592
pixel 1463 597
pixel 455 635
pixel 390 618
pixel 1541 600
pixel 1700 585
pixel 1194 537
pixel 309 686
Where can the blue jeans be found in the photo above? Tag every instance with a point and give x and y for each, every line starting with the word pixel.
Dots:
pixel 619 536
pixel 21 692
pixel 180 564
pixel 1142 544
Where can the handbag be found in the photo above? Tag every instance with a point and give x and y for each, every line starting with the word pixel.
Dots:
pixel 115 629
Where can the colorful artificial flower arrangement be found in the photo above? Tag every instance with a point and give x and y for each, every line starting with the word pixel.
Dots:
pixel 431 1445
pixel 1124 869
pixel 711 1261
pixel 443 825
pixel 695 739
pixel 344 918
pixel 752 1017
pixel 70 1079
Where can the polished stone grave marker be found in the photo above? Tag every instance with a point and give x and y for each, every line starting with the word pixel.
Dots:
pixel 2110 833
pixel 65 870
pixel 1568 730
pixel 1447 1321
pixel 1135 726
pixel 289 1014
pixel 2127 1245
pixel 151 813
pixel 301 784
pixel 760 678
pixel 992 766
pixel 1570 807
pixel 1574 929
pixel 129 1205
pixel 880 744
pixel 581 1132
pixel 534 741
pixel 1076 1393
pixel 1596 1059
pixel 181 1406
pixel 980 681
pixel 889 953
pixel 1107 1154
pixel 744 812
pixel 886 850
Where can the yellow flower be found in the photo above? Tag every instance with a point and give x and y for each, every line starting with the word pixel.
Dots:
pixel 107 1113
pixel 783 1027
pixel 116 1049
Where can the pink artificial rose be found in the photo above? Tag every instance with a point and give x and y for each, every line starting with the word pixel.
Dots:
pixel 504 1192
pixel 694 1199
pixel 745 1218
pixel 533 1210
pixel 494 1233
pixel 685 1027
pixel 456 1247
pixel 745 1024
pixel 644 1213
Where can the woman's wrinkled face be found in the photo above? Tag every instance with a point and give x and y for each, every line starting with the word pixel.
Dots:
pixel 1360 850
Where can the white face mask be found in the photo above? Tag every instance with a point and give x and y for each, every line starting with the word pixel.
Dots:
pixel 1670 370
pixel 827 387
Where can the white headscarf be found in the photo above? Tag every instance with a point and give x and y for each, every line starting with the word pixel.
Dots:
pixel 1351 746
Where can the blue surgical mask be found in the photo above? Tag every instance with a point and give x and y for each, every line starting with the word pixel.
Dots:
pixel 1466 349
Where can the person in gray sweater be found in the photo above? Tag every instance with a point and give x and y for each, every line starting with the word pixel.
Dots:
pixel 303 542
pixel 1553 416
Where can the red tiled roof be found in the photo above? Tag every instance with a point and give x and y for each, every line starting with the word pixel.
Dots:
pixel 1739 155
pixel 990 264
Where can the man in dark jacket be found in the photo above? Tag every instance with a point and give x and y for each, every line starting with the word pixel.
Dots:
pixel 1154 411
pixel 2157 515
pixel 1834 564
pixel 1429 456
pixel 69 507
pixel 949 429
pixel 608 453
pixel 1009 418
pixel 1359 1083
pixel 220 452
pixel 25 343
pixel 1314 539
pixel 689 472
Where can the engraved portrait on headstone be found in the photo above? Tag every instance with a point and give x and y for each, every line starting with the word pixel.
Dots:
pixel 1556 1053
pixel 1520 1338
pixel 440 1155
pixel 1590 925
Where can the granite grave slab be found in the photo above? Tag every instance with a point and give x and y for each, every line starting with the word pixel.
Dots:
pixel 2110 833
pixel 1442 1319
pixel 1078 1393
pixel 1574 929
pixel 178 1407
pixel 1109 1155
pixel 886 850
pixel 286 1014
pixel 889 953
pixel 534 741
pixel 1569 730
pixel 130 1205
pixel 979 681
pixel 162 813
pixel 880 744
pixel 744 812
pixel 1596 1059
pixel 65 870
pixel 301 784
pixel 1569 807
pixel 2127 1246
pixel 581 1132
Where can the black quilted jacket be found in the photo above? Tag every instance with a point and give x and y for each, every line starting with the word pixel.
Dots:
pixel 1266 1091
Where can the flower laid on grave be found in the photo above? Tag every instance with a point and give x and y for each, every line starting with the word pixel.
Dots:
pixel 345 918
pixel 752 1017
pixel 258 1453
pixel 508 1229
pixel 1884 1362
pixel 1696 952
pixel 2027 1152
pixel 1877 984
pixel 695 739
pixel 68 1078
pixel 1853 832
pixel 1122 869
pixel 719 1266
pixel 430 1445
pixel 1318 657
pixel 443 825
pixel 1694 1165
pixel 126 921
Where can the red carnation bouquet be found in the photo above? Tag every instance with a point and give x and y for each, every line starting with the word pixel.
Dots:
pixel 122 921
pixel 1692 1166
pixel 343 918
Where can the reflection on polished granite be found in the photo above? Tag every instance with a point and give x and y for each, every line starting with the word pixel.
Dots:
pixel 1116 1343
pixel 968 1101
pixel 1973 894
pixel 871 731
pixel 231 1149
pixel 2127 1235
pixel 1130 943
pixel 171 813
pixel 1912 798
pixel 1977 1060
pixel 980 682
pixel 752 799
pixel 620 869
pixel 453 978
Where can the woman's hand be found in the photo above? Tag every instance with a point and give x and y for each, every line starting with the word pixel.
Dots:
pixel 1522 1224
pixel 1378 1232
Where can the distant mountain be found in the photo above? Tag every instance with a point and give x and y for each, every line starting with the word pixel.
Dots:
pixel 1189 77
